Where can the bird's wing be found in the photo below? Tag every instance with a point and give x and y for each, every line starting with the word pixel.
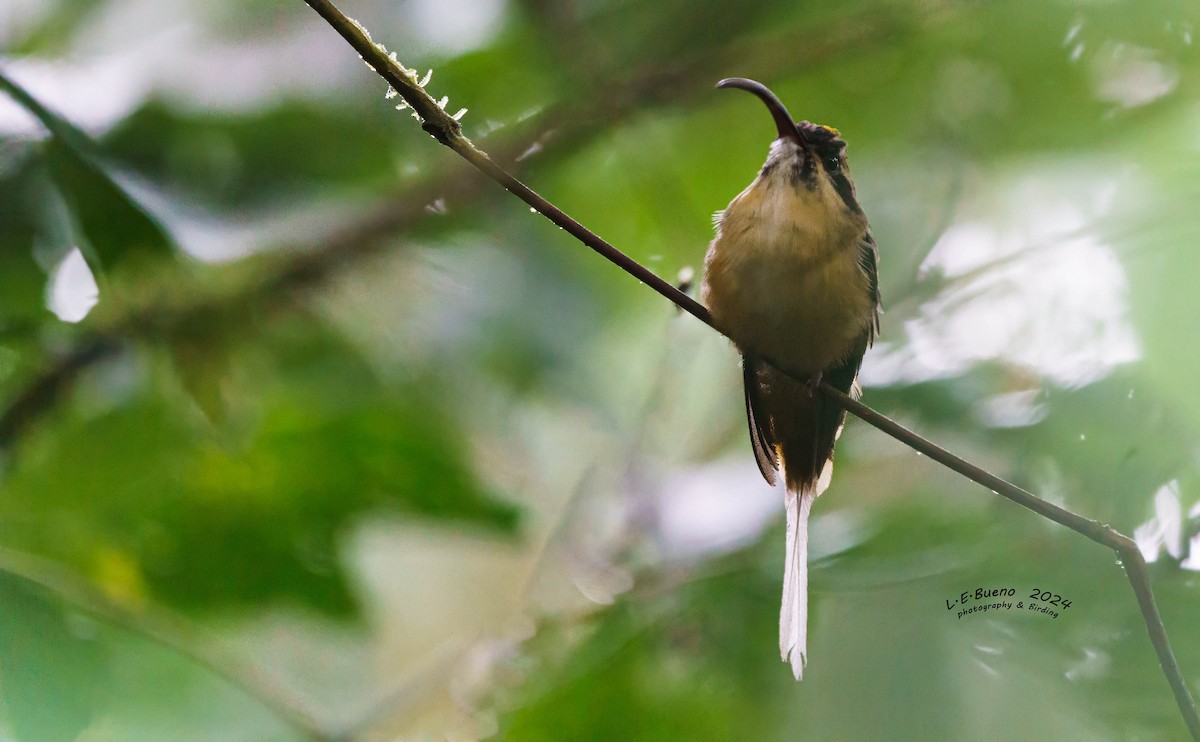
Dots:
pixel 761 437
pixel 868 260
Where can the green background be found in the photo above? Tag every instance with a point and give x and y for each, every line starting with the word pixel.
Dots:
pixel 353 443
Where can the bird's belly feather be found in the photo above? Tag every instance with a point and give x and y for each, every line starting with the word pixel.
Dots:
pixel 804 311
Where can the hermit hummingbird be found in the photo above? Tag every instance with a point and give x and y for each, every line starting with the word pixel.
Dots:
pixel 792 278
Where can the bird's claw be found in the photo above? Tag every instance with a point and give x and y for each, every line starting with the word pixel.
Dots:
pixel 813 382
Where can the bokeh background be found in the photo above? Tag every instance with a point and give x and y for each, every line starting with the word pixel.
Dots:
pixel 308 430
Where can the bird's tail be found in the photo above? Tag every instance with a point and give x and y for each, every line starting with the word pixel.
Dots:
pixel 793 614
pixel 805 426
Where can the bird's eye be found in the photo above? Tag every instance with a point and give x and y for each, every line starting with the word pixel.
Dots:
pixel 833 163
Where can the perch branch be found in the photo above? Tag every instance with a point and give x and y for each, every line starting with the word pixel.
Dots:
pixel 305 265
pixel 446 129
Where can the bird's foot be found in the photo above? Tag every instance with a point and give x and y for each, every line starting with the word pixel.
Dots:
pixel 813 382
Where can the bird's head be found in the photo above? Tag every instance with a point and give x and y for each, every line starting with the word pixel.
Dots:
pixel 803 153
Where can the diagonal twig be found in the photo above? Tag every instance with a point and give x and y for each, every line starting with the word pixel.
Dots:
pixel 575 121
pixel 446 129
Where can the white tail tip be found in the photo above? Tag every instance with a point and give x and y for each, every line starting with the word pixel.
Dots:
pixel 793 613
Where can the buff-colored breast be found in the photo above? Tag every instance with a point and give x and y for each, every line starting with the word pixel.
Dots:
pixel 783 277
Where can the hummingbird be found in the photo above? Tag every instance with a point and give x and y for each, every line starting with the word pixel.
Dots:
pixel 792 278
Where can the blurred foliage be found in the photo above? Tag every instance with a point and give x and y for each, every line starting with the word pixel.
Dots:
pixel 51 675
pixel 423 471
pixel 251 162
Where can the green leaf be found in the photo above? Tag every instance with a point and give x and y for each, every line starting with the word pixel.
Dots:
pixel 50 676
pixel 244 162
pixel 23 199
pixel 116 226
pixel 200 351
pixel 119 230
pixel 255 512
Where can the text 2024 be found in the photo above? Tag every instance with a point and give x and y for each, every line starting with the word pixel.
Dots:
pixel 1048 597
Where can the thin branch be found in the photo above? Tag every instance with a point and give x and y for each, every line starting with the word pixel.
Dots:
pixel 308 264
pixel 1127 550
pixel 446 129
pixel 171 631
pixel 616 97
pixel 39 396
